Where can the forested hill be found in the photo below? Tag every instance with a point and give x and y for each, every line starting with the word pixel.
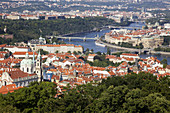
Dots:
pixel 141 93
pixel 25 30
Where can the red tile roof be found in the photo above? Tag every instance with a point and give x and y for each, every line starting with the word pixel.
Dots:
pixel 18 74
pixel 3 45
pixel 8 88
pixel 23 53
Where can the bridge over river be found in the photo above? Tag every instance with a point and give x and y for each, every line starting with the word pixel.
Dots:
pixel 123 27
pixel 70 38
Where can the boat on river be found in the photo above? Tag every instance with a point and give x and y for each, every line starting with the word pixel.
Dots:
pixel 99 44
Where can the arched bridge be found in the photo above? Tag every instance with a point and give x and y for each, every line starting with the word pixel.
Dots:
pixel 70 38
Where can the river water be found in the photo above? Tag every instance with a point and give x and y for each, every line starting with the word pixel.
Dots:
pixel 91 43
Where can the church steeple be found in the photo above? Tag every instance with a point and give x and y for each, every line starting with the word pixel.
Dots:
pixel 61 77
pixel 33 58
pixel 27 56
pixel 39 67
pixel 39 56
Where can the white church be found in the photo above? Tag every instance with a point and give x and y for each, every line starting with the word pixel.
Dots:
pixel 30 71
pixel 32 66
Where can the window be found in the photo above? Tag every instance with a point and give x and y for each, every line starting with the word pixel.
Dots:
pixel 27 69
pixel 31 70
pixel 5 83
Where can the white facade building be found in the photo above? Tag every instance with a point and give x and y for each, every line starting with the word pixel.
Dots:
pixel 60 48
pixel 128 55
pixel 14 49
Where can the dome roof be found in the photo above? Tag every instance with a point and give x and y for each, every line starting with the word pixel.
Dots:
pixel 40 38
pixel 27 62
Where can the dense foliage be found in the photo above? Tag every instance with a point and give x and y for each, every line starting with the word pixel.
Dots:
pixel 25 30
pixel 133 93
pixel 161 19
pixel 166 40
pixel 3 41
pixel 129 45
pixel 167 49
pixel 37 97
pixel 101 61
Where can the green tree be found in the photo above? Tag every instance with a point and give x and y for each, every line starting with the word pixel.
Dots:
pixel 43 52
pixel 164 61
pixel 98 53
pixel 69 52
pixel 6 55
pixel 111 100
pixel 108 51
pixel 75 53
pixel 66 57
pixel 92 50
pixel 157 103
pixel 33 97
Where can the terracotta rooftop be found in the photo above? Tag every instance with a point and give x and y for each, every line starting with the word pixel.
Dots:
pixel 18 74
pixel 23 53
pixel 8 88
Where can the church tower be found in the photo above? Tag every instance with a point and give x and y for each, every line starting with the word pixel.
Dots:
pixel 38 67
pixel 26 65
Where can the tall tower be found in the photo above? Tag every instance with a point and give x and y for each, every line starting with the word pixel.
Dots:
pixel 5 29
pixel 33 61
pixel 38 68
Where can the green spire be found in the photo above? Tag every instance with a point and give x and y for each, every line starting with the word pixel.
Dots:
pixel 26 55
pixel 39 56
pixel 33 59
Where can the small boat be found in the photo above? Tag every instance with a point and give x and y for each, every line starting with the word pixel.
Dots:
pixel 99 44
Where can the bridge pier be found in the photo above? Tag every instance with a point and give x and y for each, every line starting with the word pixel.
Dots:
pixel 69 39
pixel 140 51
pixel 84 39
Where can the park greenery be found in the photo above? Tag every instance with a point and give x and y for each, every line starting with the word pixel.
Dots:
pixel 3 41
pixel 165 49
pixel 119 53
pixel 101 61
pixel 161 19
pixel 164 62
pixel 166 40
pixel 24 30
pixel 129 45
pixel 133 93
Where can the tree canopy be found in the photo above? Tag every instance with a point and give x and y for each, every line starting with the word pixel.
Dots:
pixel 132 93
pixel 24 30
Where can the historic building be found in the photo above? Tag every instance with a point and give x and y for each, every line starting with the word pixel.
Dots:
pixel 30 71
pixel 17 77
pixel 60 48
pixel 149 39
pixel 38 68
pixel 27 65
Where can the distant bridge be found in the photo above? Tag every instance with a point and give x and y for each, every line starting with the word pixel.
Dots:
pixel 123 27
pixel 70 38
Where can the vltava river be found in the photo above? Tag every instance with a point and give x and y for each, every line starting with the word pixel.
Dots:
pixel 91 43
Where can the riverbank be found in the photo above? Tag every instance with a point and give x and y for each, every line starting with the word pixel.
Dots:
pixel 133 49
pixel 98 29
